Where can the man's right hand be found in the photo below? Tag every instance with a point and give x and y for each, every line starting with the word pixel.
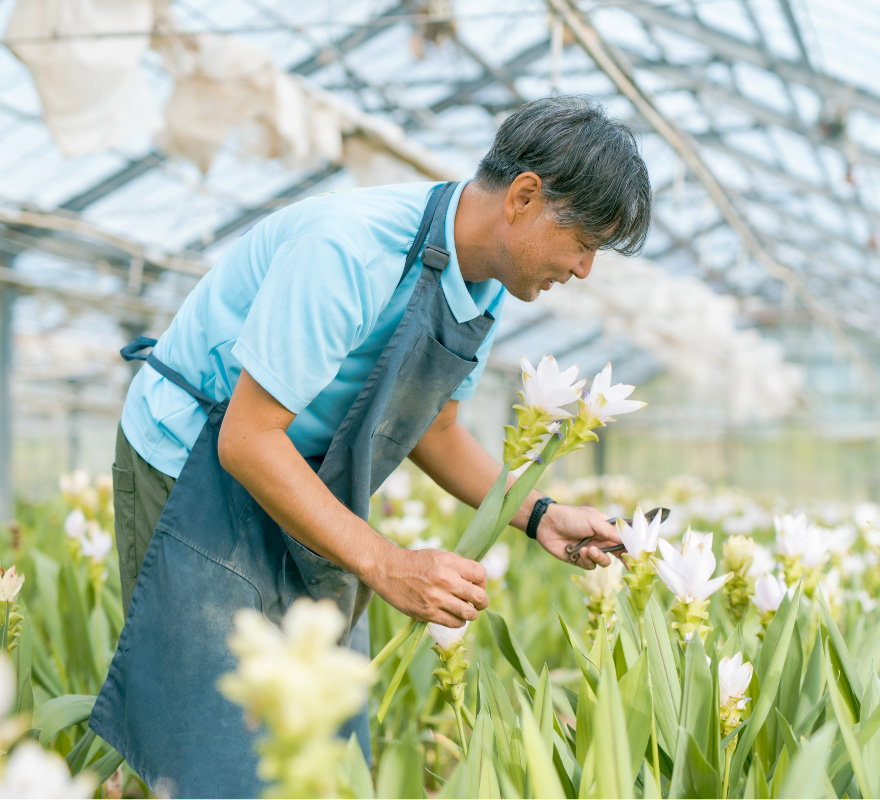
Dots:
pixel 431 585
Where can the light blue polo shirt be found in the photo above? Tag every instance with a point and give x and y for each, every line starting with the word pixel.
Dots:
pixel 305 301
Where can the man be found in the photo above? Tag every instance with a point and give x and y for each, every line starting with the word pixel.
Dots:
pixel 345 330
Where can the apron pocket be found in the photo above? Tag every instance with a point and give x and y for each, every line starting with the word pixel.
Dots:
pixel 324 580
pixel 123 506
pixel 428 366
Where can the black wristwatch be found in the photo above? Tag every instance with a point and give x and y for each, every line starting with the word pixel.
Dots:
pixel 535 518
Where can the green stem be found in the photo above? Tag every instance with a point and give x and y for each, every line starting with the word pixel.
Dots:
pixel 460 723
pixel 392 646
pixel 468 716
pixel 728 755
pixel 655 750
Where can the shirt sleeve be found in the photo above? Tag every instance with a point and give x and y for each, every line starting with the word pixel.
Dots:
pixel 307 316
pixel 468 386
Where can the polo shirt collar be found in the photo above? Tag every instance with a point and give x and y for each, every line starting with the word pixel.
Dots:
pixel 454 287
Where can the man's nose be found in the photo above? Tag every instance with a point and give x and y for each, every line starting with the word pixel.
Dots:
pixel 584 266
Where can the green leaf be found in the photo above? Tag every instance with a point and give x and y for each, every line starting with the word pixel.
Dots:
pixel 866 732
pixel 456 786
pixel 510 648
pixel 845 723
pixel 588 668
pixel 543 707
pixel 24 703
pixel 756 784
pixel 805 726
pixel 59 713
pixel 355 772
pixel 79 644
pixel 83 751
pixel 770 685
pixel 650 791
pixel 851 686
pixel 585 710
pixel 699 708
pixel 780 773
pixel 789 696
pixel 692 775
pixel 613 760
pixel 567 768
pixel 481 779
pixel 503 715
pixel 409 649
pixel 106 765
pixel 812 684
pixel 543 780
pixel 807 771
pixel 788 737
pixel 400 772
pixel 733 645
pixel 477 537
pixel 635 695
pixel 664 676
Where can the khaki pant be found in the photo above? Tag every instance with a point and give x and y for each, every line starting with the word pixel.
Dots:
pixel 140 492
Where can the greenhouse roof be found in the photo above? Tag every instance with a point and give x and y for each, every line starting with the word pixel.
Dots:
pixel 759 120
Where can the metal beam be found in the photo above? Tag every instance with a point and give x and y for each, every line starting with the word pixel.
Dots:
pixel 593 44
pixel 734 49
pixel 7 296
pixel 135 169
pixel 461 94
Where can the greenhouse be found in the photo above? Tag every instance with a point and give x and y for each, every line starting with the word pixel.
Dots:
pixel 388 513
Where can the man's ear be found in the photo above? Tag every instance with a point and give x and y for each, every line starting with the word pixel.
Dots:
pixel 524 197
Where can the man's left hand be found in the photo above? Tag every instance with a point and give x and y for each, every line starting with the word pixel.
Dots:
pixel 563 525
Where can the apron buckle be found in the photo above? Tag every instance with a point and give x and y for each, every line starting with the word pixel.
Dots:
pixel 435 257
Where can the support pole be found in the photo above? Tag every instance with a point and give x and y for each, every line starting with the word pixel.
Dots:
pixel 7 296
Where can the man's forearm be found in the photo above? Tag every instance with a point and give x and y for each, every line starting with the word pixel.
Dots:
pixel 458 463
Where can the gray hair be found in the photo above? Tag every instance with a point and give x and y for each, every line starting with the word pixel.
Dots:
pixel 589 165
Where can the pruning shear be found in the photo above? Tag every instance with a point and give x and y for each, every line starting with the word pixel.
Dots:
pixel 574 549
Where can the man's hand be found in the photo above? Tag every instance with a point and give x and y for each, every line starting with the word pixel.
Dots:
pixel 431 585
pixel 563 525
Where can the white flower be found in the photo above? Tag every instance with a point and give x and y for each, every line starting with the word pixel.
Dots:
pixel 769 591
pixel 641 536
pixel 763 561
pixel 688 573
pixel 397 486
pixel 10 584
pixel 867 602
pixel 734 677
pixel 797 538
pixel 76 525
pixel 605 400
pixel 867 516
pixel 414 508
pixel 74 483
pixel 97 544
pixel 434 543
pixel 829 585
pixel 297 678
pixel 8 689
pixel 547 389
pixel 32 772
pixel 447 504
pixel 446 636
pixel 600 582
pixel 853 564
pixel 497 561
pixel 840 539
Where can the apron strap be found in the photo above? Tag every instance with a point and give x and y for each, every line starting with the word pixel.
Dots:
pixel 432 228
pixel 132 352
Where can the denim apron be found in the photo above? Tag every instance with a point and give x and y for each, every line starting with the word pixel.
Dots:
pixel 216 550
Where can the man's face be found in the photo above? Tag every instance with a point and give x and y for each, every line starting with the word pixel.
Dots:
pixel 539 253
